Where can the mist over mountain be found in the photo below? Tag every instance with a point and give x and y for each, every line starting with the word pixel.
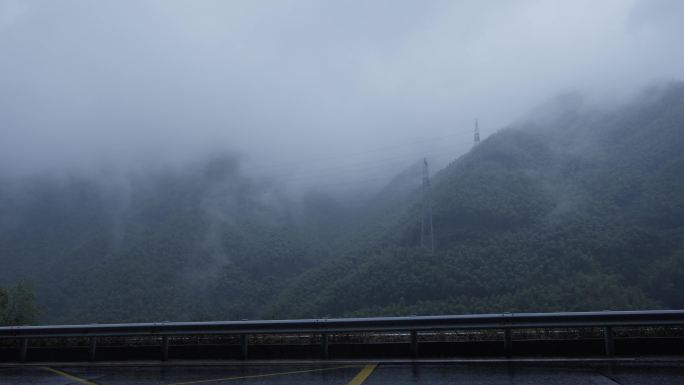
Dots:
pixel 572 208
pixel 582 209
pixel 131 85
pixel 177 160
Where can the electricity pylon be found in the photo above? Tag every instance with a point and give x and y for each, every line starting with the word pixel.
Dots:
pixel 427 237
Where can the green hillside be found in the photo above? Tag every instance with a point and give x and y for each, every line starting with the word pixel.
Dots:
pixel 584 211
pixel 574 209
pixel 203 243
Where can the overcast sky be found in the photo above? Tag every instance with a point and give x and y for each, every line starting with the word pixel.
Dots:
pixel 324 91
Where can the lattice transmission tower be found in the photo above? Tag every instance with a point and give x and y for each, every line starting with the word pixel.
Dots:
pixel 427 236
pixel 477 134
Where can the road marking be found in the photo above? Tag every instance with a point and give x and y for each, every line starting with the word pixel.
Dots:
pixel 610 378
pixel 69 376
pixel 263 375
pixel 363 374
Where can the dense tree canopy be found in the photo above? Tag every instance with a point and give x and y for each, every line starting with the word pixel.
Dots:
pixel 583 210
pixel 17 305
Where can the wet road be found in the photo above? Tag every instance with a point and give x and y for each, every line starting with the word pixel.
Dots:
pixel 354 374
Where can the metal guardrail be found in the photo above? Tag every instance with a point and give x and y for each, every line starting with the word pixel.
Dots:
pixel 503 321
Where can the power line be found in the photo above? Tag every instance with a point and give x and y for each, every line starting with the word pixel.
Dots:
pixel 359 167
pixel 280 165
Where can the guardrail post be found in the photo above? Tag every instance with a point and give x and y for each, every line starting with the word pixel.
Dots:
pixel 92 346
pixel 23 349
pixel 243 346
pixel 165 348
pixel 324 345
pixel 508 342
pixel 608 341
pixel 414 344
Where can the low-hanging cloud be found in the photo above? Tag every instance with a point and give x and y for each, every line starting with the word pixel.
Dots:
pixel 320 92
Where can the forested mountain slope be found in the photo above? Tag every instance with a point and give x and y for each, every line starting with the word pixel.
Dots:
pixel 583 210
pixel 202 243
pixel 573 209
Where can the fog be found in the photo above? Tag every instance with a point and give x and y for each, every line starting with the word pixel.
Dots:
pixel 312 93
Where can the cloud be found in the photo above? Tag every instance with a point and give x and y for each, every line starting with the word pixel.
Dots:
pixel 298 86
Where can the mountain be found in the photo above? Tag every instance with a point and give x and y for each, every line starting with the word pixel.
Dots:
pixel 579 210
pixel 202 243
pixel 573 208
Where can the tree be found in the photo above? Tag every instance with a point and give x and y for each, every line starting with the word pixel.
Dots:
pixel 17 305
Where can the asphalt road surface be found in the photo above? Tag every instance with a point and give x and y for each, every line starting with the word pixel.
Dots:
pixel 354 374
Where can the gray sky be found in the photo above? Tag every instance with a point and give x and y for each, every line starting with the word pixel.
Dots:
pixel 325 91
